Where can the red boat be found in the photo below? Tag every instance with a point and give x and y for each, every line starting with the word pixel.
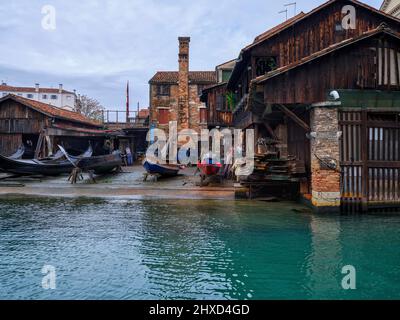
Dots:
pixel 209 169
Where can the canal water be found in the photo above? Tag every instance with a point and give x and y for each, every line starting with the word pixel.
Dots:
pixel 142 249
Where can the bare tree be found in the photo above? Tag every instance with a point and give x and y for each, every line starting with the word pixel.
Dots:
pixel 89 107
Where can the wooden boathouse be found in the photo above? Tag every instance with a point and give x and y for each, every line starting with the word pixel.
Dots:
pixel 41 127
pixel 321 90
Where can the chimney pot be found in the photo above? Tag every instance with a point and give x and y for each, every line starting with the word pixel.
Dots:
pixel 37 87
pixel 60 88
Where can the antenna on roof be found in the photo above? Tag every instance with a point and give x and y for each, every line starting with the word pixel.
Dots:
pixel 284 11
pixel 292 4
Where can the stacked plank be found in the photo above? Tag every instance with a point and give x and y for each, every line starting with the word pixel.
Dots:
pixel 269 167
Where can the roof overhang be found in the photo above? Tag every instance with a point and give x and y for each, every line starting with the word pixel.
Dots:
pixel 318 55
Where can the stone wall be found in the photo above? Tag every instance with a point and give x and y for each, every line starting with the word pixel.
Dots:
pixel 325 154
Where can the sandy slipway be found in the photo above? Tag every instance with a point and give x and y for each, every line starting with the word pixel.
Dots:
pixel 129 184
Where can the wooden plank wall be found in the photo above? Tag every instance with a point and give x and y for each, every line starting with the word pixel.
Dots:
pixel 17 118
pixel 350 68
pixel 9 143
pixel 318 32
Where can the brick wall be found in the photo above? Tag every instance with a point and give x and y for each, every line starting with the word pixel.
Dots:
pixel 325 182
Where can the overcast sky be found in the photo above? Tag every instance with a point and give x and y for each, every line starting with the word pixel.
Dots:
pixel 98 45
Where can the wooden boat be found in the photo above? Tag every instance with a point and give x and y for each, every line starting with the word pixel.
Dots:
pixel 35 167
pixel 209 169
pixel 100 164
pixel 164 170
pixel 209 166
pixel 40 167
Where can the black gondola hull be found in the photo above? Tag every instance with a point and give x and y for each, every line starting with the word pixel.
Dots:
pixel 100 164
pixel 31 167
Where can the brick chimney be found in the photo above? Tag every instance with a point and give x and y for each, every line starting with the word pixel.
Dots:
pixel 183 82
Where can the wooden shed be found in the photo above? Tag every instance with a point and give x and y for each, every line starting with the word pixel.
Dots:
pixel 40 127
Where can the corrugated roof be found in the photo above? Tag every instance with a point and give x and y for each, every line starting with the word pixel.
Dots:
pixel 171 77
pixel 30 89
pixel 52 111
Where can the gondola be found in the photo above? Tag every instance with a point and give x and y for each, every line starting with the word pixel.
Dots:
pixel 98 164
pixel 49 167
pixel 101 164
pixel 164 170
pixel 19 153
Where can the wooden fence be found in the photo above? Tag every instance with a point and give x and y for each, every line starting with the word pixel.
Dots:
pixel 370 161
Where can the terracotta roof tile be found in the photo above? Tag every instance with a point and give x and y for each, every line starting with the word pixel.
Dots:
pixel 53 111
pixel 171 77
pixel 30 89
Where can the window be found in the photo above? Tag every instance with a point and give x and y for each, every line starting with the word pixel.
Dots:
pixel 226 74
pixel 68 97
pixel 200 88
pixel 53 97
pixel 203 115
pixel 29 96
pixel 20 94
pixel 4 94
pixel 265 64
pixel 163 116
pixel 44 96
pixel 163 90
pixel 221 102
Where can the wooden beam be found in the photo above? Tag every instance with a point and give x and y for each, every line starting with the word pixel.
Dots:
pixel 39 145
pixel 294 117
pixel 269 129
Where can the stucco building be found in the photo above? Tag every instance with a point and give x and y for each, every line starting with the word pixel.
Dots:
pixel 391 7
pixel 57 97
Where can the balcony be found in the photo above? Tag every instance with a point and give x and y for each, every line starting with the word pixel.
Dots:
pixel 119 119
pixel 221 119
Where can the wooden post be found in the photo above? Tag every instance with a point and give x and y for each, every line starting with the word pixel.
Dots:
pixel 364 159
pixel 39 145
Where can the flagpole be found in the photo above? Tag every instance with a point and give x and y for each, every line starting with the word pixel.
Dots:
pixel 127 102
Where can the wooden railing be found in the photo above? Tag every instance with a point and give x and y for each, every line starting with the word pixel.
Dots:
pixel 222 118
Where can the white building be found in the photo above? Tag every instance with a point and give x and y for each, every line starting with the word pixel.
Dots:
pixel 391 7
pixel 56 97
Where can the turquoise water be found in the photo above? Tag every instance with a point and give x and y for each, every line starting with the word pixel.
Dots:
pixel 193 250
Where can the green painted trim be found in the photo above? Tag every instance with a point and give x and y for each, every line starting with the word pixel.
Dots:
pixel 370 99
